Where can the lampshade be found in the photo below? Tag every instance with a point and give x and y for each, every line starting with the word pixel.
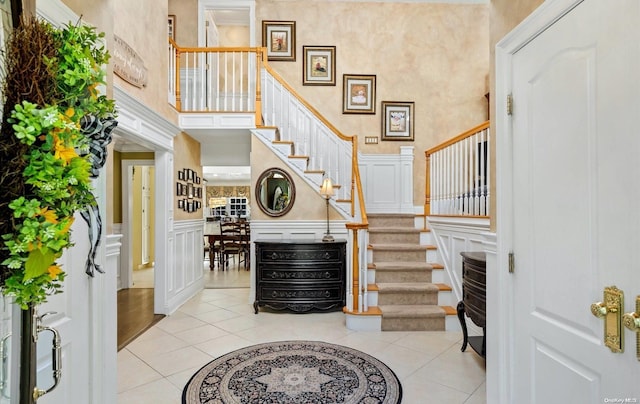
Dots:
pixel 327 188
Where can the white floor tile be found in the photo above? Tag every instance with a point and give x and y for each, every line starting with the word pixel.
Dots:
pixel 156 366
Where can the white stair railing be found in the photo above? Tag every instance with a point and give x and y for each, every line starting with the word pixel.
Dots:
pixel 311 135
pixel 240 80
pixel 212 79
pixel 457 175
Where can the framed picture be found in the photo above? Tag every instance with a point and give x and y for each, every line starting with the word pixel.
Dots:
pixel 172 26
pixel 180 203
pixel 397 120
pixel 178 188
pixel 189 190
pixel 319 66
pixel 279 37
pixel 181 175
pixel 358 94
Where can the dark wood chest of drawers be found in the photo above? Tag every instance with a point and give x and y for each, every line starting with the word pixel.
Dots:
pixel 473 301
pixel 300 275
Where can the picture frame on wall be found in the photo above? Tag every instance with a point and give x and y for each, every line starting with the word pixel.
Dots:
pixel 180 203
pixel 279 37
pixel 319 65
pixel 358 94
pixel 397 120
pixel 190 190
pixel 171 26
pixel 181 175
pixel 178 188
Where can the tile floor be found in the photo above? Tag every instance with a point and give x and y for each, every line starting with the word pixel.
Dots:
pixel 155 367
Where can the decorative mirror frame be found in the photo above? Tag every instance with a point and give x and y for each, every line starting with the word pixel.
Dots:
pixel 268 173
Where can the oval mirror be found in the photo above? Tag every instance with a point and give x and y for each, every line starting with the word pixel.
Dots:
pixel 275 192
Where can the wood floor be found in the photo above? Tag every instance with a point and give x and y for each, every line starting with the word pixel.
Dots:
pixel 135 314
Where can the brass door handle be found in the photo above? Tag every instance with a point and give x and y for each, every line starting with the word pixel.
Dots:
pixel 632 322
pixel 611 309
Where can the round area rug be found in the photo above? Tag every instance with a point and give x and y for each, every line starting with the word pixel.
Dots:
pixel 301 372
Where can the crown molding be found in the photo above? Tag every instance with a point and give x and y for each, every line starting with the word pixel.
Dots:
pixel 139 123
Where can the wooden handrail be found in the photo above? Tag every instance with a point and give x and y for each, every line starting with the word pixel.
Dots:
pixel 458 138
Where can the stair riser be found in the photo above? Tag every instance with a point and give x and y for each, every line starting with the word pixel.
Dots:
pixel 399 256
pixel 413 324
pixel 390 298
pixel 391 221
pixel 402 276
pixel 394 238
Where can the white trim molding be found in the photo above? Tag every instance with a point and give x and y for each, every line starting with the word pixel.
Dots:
pixel 141 124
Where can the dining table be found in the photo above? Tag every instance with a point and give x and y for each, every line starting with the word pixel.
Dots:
pixel 213 233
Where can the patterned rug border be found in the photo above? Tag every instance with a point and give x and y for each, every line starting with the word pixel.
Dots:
pixel 375 361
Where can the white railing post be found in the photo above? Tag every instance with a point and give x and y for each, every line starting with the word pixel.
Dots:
pixel 459 174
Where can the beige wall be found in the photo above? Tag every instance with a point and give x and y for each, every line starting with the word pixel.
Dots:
pixel 308 204
pixel 504 16
pixel 186 155
pixel 436 55
pixel 143 25
pixel 186 25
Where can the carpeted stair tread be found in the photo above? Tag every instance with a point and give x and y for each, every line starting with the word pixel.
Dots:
pixel 402 266
pixel 411 311
pixel 417 287
pixel 402 247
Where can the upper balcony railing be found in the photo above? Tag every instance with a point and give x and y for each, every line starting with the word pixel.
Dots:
pixel 457 177
pixel 240 80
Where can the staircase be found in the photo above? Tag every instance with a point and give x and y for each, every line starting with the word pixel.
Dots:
pixel 403 273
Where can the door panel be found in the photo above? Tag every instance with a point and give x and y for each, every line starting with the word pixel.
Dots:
pixel 575 185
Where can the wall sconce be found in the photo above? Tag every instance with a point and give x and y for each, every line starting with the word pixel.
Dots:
pixel 327 192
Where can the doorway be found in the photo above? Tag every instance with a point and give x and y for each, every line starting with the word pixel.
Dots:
pixel 137 294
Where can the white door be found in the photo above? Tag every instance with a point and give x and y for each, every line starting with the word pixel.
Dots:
pixel 576 189
pixel 72 319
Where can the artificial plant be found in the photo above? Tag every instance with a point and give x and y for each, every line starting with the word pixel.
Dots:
pixel 51 79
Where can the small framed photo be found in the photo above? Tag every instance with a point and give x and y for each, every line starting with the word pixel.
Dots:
pixel 181 175
pixel 190 190
pixel 358 94
pixel 279 37
pixel 397 120
pixel 171 26
pixel 178 188
pixel 180 203
pixel 197 179
pixel 319 66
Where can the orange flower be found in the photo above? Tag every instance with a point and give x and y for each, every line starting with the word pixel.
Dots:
pixel 49 215
pixel 54 270
pixel 62 152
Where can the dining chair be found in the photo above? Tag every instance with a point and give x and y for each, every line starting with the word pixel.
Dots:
pixel 232 244
pixel 214 252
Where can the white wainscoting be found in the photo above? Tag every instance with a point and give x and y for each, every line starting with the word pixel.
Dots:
pixel 452 236
pixel 187 278
pixel 117 230
pixel 387 181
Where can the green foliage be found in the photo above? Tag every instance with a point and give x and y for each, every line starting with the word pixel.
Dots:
pixel 59 177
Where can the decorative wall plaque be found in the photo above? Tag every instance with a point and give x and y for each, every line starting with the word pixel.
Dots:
pixel 127 64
